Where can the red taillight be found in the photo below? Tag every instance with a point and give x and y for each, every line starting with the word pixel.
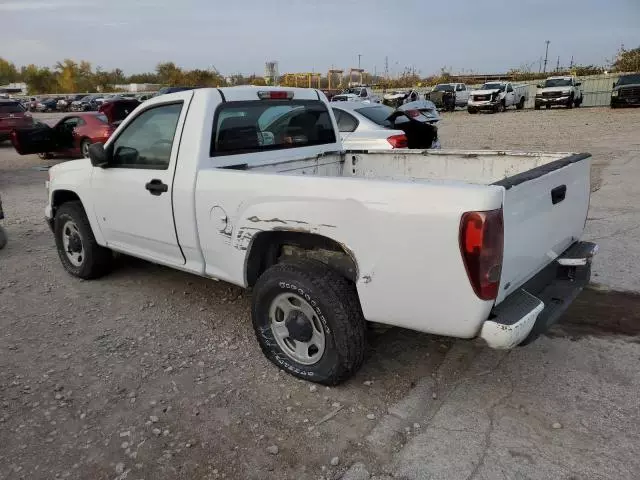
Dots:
pixel 481 245
pixel 275 95
pixel 412 113
pixel 398 141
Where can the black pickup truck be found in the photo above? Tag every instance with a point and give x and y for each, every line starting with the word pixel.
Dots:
pixel 626 91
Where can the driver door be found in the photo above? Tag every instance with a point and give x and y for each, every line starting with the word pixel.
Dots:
pixel 133 194
pixel 510 96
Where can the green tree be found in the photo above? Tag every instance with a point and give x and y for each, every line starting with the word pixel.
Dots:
pixel 627 60
pixel 169 74
pixel 39 80
pixel 8 72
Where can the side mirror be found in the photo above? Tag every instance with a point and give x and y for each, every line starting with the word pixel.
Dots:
pixel 578 84
pixel 539 86
pixel 614 85
pixel 98 155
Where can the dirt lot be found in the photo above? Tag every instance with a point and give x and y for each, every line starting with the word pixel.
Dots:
pixel 152 373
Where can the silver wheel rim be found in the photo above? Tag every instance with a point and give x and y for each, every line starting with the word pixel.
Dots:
pixel 305 343
pixel 85 149
pixel 72 243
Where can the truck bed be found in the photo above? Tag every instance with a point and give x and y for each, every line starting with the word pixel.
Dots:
pixel 545 196
pixel 481 167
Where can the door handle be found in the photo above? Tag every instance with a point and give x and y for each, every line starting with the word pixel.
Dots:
pixel 156 187
pixel 558 194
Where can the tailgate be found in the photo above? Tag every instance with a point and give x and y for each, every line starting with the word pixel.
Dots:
pixel 544 213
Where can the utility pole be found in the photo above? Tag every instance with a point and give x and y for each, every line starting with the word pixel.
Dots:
pixel 558 64
pixel 386 68
pixel 546 56
pixel 359 56
pixel 571 64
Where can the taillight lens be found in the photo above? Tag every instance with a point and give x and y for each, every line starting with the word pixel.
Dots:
pixel 398 141
pixel 482 246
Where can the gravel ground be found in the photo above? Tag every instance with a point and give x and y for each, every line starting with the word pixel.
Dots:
pixel 153 373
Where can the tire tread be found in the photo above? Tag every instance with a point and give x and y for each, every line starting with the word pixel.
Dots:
pixel 338 294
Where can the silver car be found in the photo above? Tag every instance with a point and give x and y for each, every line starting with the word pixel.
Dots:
pixel 373 126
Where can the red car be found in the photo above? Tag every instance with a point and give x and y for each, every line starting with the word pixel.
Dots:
pixel 12 115
pixel 70 137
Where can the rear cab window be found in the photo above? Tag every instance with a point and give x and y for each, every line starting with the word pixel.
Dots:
pixel 262 125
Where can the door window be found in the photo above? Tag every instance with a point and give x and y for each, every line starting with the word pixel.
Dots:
pixel 509 88
pixel 147 141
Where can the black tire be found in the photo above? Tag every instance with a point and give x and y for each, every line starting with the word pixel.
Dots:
pixel 96 260
pixel 548 106
pixel 472 110
pixel 520 104
pixel 537 107
pixel 577 103
pixel 570 103
pixel 334 299
pixel 84 147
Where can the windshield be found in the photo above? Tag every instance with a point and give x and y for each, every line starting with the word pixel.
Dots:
pixel 355 91
pixel 88 98
pixel 11 108
pixel 557 82
pixel 493 86
pixel 378 114
pixel 444 88
pixel 629 80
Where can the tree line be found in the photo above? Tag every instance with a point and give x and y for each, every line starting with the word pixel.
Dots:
pixel 69 76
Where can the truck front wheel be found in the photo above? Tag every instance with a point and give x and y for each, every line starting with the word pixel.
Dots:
pixel 570 102
pixel 78 250
pixel 308 321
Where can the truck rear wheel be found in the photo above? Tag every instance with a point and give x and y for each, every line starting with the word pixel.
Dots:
pixel 520 104
pixel 78 250
pixel 308 321
pixel 472 110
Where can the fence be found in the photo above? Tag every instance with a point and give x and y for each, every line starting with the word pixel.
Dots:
pixel 596 89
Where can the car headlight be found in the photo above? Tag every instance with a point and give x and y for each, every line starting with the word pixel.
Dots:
pixel 615 93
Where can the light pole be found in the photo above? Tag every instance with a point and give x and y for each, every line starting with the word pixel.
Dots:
pixel 546 55
pixel 359 56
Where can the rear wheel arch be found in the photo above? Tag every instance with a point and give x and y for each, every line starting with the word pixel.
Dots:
pixel 273 247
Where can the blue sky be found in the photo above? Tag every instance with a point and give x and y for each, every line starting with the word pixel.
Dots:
pixel 306 35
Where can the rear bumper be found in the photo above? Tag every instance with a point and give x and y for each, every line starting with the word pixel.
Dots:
pixel 527 313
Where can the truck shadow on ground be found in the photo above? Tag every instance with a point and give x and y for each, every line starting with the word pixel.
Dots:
pixel 601 313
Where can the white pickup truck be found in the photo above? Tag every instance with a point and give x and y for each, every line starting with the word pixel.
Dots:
pixel 497 97
pixel 250 185
pixel 564 91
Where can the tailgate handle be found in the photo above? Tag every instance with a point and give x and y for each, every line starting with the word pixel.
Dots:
pixel 558 194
